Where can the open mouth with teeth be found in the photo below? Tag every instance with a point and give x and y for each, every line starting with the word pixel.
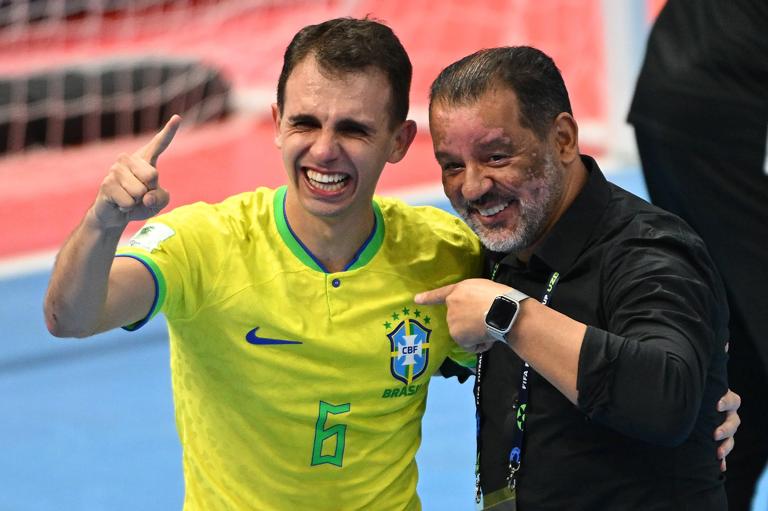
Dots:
pixel 326 182
pixel 493 210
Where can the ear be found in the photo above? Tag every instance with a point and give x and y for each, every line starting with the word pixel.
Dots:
pixel 566 133
pixel 276 120
pixel 403 138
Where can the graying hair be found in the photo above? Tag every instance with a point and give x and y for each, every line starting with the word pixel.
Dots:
pixel 529 73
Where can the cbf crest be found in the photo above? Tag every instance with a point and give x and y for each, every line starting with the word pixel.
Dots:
pixel 409 343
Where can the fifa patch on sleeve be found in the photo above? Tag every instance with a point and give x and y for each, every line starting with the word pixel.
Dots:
pixel 150 236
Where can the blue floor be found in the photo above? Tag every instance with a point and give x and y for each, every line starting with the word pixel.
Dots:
pixel 88 425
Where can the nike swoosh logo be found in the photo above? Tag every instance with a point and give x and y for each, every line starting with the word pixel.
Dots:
pixel 252 338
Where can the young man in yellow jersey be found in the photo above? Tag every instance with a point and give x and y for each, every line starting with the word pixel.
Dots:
pixel 299 361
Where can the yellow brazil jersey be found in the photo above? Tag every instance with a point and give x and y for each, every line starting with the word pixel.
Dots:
pixel 296 388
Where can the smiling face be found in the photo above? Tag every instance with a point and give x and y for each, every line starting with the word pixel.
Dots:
pixel 505 182
pixel 336 135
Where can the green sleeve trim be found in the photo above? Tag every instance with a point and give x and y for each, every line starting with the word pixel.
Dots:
pixel 160 287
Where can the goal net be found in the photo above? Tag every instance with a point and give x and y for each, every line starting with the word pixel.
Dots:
pixel 81 70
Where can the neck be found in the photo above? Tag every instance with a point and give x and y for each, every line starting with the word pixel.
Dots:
pixel 333 241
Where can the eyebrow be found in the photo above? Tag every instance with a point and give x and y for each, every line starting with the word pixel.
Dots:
pixel 502 142
pixel 302 118
pixel 346 123
pixel 352 124
pixel 440 155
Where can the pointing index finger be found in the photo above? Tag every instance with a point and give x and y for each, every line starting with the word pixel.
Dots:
pixel 435 296
pixel 160 142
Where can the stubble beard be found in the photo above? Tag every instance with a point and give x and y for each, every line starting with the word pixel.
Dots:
pixel 534 214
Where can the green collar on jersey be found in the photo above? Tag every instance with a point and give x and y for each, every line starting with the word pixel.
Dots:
pixel 363 255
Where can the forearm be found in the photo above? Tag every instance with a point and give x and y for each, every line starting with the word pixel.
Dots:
pixel 641 389
pixel 89 292
pixel 550 342
pixel 77 292
pixel 556 346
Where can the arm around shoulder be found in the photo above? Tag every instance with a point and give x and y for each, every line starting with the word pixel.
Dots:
pixel 659 356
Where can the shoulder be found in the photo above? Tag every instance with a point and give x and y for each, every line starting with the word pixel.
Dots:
pixel 647 242
pixel 429 241
pixel 426 222
pixel 235 214
pixel 630 218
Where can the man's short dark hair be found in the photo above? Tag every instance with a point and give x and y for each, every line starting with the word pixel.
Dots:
pixel 529 72
pixel 345 45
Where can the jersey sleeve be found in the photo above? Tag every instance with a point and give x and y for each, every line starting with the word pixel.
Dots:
pixel 176 248
pixel 463 358
pixel 462 253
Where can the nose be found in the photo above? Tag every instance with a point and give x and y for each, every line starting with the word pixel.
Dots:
pixel 325 146
pixel 476 183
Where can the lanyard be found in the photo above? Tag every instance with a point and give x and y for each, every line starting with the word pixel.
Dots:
pixel 521 404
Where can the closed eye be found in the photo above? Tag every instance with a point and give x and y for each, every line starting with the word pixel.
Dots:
pixel 354 131
pixel 353 128
pixel 303 122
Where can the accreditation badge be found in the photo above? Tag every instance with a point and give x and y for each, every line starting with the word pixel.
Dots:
pixel 504 499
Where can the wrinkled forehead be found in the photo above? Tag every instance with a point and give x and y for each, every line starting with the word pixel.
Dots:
pixel 489 122
pixel 461 139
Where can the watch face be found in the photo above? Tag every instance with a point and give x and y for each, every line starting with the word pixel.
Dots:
pixel 501 314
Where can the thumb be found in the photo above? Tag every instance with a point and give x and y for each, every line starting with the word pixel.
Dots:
pixel 160 142
pixel 435 296
pixel 156 199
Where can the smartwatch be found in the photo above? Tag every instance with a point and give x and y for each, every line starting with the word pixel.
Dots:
pixel 502 315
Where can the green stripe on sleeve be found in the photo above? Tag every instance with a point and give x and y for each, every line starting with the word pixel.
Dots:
pixel 160 286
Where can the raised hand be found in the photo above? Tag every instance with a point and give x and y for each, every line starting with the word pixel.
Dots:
pixel 130 191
